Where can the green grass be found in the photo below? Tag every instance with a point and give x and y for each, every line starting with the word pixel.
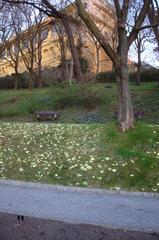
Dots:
pixel 91 103
pixel 80 149
pixel 93 155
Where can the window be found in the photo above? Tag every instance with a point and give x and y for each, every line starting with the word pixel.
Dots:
pixel 26 43
pixel 85 5
pixel 3 54
pixel 8 52
pixel 16 48
pixel 53 30
pixel 44 33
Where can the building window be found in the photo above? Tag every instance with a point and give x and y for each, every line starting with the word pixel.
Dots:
pixel 25 44
pixel 16 48
pixel 3 54
pixel 53 30
pixel 44 33
pixel 85 5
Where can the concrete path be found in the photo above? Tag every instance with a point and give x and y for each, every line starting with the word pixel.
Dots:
pixel 122 210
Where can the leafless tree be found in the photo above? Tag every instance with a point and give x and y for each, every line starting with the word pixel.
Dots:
pixel 153 15
pixel 120 56
pixel 52 10
pixel 144 36
pixel 30 41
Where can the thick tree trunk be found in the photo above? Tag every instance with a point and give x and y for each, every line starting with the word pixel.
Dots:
pixel 65 74
pixel 125 109
pixel 74 52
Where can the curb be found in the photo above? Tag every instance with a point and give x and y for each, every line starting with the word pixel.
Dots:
pixel 77 189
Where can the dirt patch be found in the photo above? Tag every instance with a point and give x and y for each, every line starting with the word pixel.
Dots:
pixel 38 229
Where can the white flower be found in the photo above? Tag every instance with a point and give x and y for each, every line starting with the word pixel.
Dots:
pixel 131 175
pixel 79 175
pixel 85 183
pixel 154 189
pixel 114 170
pixel 89 167
pixel 21 169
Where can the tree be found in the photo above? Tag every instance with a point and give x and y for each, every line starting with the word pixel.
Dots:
pixel 52 10
pixel 12 48
pixel 30 41
pixel 143 38
pixel 120 56
pixel 107 26
pixel 153 15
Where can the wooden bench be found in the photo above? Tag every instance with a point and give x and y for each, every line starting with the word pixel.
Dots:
pixel 46 115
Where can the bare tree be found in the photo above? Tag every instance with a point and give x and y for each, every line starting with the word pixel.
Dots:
pixel 120 56
pixel 30 41
pixel 52 10
pixel 153 15
pixel 144 36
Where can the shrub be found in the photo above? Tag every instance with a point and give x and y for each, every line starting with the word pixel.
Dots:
pixel 146 76
pixel 8 82
pixel 104 77
pixel 84 64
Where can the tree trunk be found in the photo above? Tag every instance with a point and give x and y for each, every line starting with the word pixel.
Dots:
pixel 71 73
pixel 158 80
pixel 125 109
pixel 138 80
pixel 16 85
pixel 97 59
pixel 74 52
pixel 30 83
pixel 40 81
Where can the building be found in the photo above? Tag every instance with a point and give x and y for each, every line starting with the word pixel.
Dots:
pixel 50 48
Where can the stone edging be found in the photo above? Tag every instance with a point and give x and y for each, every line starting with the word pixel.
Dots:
pixel 76 189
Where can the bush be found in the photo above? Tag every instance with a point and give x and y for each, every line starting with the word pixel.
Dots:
pixel 84 64
pixel 104 77
pixel 146 76
pixel 76 96
pixel 8 82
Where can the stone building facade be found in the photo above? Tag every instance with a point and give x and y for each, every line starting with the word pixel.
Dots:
pixel 103 16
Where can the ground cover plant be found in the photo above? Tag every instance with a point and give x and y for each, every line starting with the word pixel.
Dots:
pixel 84 147
pixel 93 155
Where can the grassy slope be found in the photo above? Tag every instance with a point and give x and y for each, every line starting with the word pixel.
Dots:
pixel 90 104
pixel 95 154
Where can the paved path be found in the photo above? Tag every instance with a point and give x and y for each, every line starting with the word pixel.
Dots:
pixel 75 205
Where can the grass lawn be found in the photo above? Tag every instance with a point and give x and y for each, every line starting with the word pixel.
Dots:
pixel 83 148
pixel 93 155
pixel 93 103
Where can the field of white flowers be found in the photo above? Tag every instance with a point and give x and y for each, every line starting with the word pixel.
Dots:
pixel 81 155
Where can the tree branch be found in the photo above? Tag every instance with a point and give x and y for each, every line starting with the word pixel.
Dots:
pixel 96 32
pixel 139 22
